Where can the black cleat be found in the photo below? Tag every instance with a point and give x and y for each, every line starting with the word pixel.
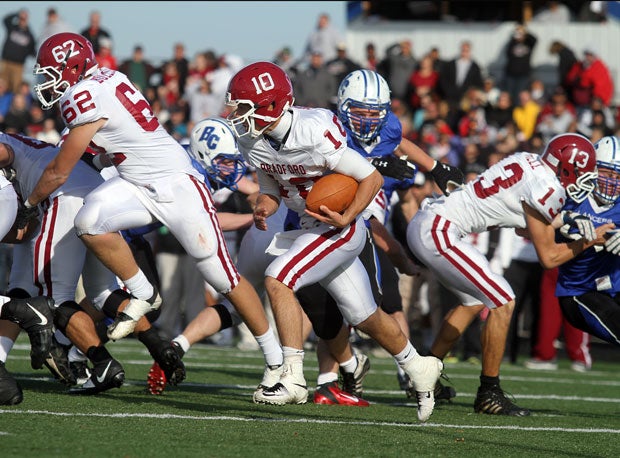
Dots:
pixel 80 371
pixel 10 392
pixel 169 359
pixel 443 392
pixel 104 376
pixel 35 316
pixel 493 401
pixel 57 361
pixel 352 383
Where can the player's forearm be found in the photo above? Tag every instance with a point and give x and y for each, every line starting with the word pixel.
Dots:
pixel 415 154
pixel 49 182
pixel 366 192
pixel 234 221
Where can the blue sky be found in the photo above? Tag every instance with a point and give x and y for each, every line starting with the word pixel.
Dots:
pixel 252 30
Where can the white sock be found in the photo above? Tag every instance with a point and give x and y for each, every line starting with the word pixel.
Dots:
pixel 350 365
pixel 271 348
pixel 293 355
pixel 406 355
pixel 399 370
pixel 183 342
pixel 326 378
pixel 139 286
pixel 5 347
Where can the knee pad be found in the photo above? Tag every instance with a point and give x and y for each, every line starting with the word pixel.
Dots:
pixel 86 221
pixel 63 314
pixel 114 301
pixel 225 316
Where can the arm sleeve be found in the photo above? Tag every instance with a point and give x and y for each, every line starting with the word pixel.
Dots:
pixel 353 164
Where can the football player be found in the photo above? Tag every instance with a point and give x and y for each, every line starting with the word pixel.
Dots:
pixel 523 191
pixel 291 148
pixel 588 285
pixel 156 181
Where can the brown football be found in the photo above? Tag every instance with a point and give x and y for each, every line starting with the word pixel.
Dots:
pixel 335 191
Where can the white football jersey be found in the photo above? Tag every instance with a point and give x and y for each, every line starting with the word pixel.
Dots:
pixel 495 198
pixel 132 137
pixel 4 182
pixel 315 145
pixel 31 158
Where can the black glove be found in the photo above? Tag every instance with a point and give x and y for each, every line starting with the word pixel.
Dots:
pixel 445 175
pixel 25 215
pixel 9 173
pixel 394 167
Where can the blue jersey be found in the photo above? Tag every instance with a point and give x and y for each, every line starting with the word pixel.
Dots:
pixel 591 270
pixel 390 136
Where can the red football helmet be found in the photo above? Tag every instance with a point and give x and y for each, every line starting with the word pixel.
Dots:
pixel 259 94
pixel 63 59
pixel 573 159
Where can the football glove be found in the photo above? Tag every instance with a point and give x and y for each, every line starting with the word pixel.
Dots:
pixel 394 167
pixel 612 244
pixel 580 222
pixel 25 215
pixel 9 173
pixel 447 176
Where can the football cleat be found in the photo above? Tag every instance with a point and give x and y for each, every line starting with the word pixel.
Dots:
pixel 156 380
pixel 290 389
pixel 125 322
pixel 271 376
pixel 104 376
pixel 80 371
pixel 35 316
pixel 424 372
pixel 331 394
pixel 443 392
pixel 10 392
pixel 57 361
pixel 169 360
pixel 352 382
pixel 493 401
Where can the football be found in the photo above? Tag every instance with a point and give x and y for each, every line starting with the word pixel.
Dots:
pixel 335 191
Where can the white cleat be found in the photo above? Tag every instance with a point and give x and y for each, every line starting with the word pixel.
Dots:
pixel 424 372
pixel 270 378
pixel 126 321
pixel 290 389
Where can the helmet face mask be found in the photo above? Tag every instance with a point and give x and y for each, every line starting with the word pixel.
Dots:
pixel 573 159
pixel 363 103
pixel 259 94
pixel 214 146
pixel 63 60
pixel 607 188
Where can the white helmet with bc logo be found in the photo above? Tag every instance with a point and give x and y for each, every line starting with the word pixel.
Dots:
pixel 213 144
pixel 607 188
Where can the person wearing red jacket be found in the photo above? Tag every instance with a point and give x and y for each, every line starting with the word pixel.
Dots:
pixel 589 78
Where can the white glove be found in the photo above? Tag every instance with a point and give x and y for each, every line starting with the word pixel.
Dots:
pixel 581 222
pixel 612 244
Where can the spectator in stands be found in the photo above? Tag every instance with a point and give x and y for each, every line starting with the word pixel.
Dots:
pixel 341 65
pixel 19 44
pixel 94 32
pixel 105 57
pixel 284 59
pixel 219 78
pixel 49 133
pixel 553 13
pixel 18 117
pixel 6 98
pixel 490 91
pixel 422 81
pixel 54 24
pixel 458 75
pixel 559 120
pixel 500 116
pixel 595 116
pixel 371 60
pixel 590 78
pixel 438 62
pixel 539 92
pixel 566 61
pixel 518 69
pixel 182 64
pixel 324 39
pixel 138 69
pixel 315 86
pixel 397 67
pixel 525 114
pixel 201 100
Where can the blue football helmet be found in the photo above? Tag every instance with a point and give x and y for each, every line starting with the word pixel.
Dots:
pixel 364 90
pixel 214 146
